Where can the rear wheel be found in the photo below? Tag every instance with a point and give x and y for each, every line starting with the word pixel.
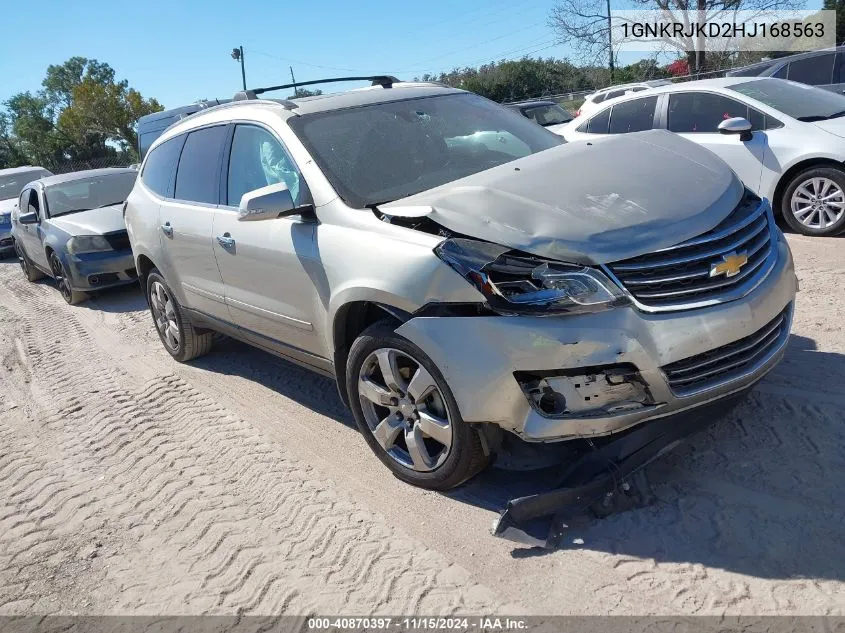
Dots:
pixel 175 329
pixel 407 413
pixel 814 201
pixel 30 272
pixel 71 296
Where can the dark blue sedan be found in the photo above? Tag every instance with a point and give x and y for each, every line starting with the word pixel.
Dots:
pixel 70 227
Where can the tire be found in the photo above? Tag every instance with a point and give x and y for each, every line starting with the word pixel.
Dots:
pixel 71 296
pixel 174 328
pixel 816 196
pixel 29 270
pixel 403 420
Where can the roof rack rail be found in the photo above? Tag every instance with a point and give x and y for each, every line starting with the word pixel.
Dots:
pixel 385 81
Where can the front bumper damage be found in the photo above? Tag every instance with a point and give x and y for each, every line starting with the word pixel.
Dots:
pixel 100 270
pixel 609 367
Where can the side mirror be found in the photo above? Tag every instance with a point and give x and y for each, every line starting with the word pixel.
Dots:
pixel 28 218
pixel 267 203
pixel 736 125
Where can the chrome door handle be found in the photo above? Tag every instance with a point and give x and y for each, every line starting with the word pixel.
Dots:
pixel 167 229
pixel 226 241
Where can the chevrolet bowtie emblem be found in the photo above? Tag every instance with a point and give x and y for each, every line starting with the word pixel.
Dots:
pixel 730 265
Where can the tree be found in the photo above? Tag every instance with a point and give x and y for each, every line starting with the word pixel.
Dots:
pixel 82 113
pixel 585 23
pixel 304 92
pixel 839 7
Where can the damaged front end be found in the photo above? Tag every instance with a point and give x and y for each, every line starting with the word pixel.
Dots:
pixel 514 283
pixel 587 392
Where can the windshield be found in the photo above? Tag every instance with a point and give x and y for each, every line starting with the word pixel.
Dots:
pixel 547 114
pixel 802 102
pixel 381 152
pixel 88 193
pixel 11 186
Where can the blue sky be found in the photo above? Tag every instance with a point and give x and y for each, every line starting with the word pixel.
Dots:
pixel 179 50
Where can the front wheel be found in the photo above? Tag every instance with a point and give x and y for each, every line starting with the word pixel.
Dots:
pixel 814 201
pixel 407 414
pixel 71 296
pixel 29 270
pixel 175 329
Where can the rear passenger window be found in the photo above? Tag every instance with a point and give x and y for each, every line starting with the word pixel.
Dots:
pixel 161 167
pixel 633 116
pixel 196 177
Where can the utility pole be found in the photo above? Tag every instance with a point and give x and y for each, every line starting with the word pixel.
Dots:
pixel 610 42
pixel 238 55
pixel 293 79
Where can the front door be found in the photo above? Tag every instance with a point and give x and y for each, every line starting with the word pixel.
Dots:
pixel 697 115
pixel 267 266
pixel 30 236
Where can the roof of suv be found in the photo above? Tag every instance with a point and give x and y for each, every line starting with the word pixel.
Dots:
pixel 360 96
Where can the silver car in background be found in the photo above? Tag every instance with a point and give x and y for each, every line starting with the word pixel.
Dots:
pixel 463 274
pixel 70 227
pixel 12 182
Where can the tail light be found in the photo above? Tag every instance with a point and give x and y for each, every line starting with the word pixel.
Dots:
pixel 578 113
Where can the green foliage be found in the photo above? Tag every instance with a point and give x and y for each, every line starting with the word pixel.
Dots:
pixel 82 113
pixel 304 92
pixel 529 78
pixel 839 7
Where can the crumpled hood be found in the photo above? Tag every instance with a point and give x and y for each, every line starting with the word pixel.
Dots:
pixel 834 126
pixel 92 222
pixel 609 199
pixel 6 206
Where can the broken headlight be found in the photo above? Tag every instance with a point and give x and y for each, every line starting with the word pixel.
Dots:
pixel 522 284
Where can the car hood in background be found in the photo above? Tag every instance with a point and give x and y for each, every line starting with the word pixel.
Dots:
pixel 92 222
pixel 558 128
pixel 609 199
pixel 6 206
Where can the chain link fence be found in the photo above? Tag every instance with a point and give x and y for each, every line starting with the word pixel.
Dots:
pixel 94 163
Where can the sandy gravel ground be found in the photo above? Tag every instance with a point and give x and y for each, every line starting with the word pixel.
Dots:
pixel 132 484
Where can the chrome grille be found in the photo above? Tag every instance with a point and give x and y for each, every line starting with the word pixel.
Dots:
pixel 729 361
pixel 682 276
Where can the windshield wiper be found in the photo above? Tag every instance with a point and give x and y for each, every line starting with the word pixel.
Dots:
pixel 108 204
pixel 821 117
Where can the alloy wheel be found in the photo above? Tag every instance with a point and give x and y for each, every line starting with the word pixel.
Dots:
pixel 405 409
pixel 818 203
pixel 61 278
pixel 164 314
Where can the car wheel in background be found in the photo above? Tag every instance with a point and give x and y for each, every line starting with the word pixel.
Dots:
pixel 60 275
pixel 30 272
pixel 406 412
pixel 814 201
pixel 175 329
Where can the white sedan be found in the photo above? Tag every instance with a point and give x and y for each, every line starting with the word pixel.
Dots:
pixel 785 140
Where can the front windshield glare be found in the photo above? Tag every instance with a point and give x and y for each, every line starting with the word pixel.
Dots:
pixel 802 102
pixel 381 152
pixel 89 193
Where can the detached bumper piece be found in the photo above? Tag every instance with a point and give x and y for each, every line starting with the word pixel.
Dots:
pixel 609 478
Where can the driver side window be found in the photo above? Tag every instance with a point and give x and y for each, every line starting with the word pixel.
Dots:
pixel 258 159
pixel 29 202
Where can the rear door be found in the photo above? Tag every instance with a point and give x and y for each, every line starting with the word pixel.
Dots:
pixel 697 115
pixel 186 218
pixel 267 266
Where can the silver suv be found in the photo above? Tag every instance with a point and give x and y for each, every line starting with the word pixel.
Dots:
pixel 462 273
